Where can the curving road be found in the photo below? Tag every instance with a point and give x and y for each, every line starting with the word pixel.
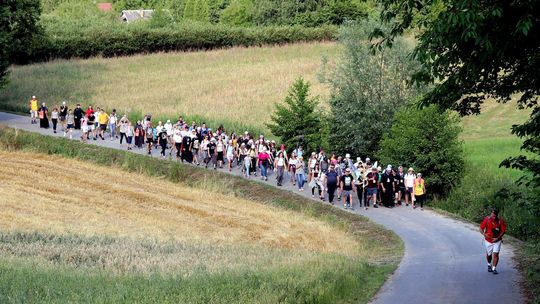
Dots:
pixel 444 258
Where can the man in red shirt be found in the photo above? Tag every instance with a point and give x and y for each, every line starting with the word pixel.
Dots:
pixel 493 229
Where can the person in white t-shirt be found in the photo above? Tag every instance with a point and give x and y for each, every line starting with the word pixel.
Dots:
pixel 177 139
pixel 409 185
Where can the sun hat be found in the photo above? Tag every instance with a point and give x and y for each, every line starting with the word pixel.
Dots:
pixel 410 169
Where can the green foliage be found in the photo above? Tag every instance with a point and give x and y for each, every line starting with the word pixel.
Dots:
pixel 19 33
pixel 473 50
pixel 238 13
pixel 99 37
pixel 367 90
pixel 197 10
pixel 299 120
pixel 427 140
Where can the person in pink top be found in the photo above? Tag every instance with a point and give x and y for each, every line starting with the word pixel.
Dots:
pixel 263 163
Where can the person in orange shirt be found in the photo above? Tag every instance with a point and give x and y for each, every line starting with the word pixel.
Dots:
pixel 493 229
pixel 419 191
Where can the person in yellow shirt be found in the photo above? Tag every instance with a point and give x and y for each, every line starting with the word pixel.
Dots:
pixel 103 120
pixel 419 191
pixel 34 105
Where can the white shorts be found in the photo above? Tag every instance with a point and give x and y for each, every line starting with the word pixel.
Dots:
pixel 33 114
pixel 84 129
pixel 492 247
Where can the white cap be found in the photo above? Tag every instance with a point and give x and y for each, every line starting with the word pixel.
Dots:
pixel 33 97
pixel 347 155
pixel 63 102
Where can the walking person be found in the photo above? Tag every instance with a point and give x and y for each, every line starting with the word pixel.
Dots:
pixel 247 164
pixel 409 186
pixel 400 184
pixel 372 187
pixel 33 104
pixel 122 123
pixel 347 188
pixel 129 135
pixel 388 188
pixel 113 120
pixel 264 157
pixel 300 173
pixel 419 191
pixel 162 141
pixel 54 119
pixel 84 128
pixel 231 152
pixel 63 115
pixel 212 154
pixel 280 166
pixel 78 113
pixel 220 149
pixel 315 182
pixel 493 228
pixel 43 116
pixel 103 120
pixel 293 161
pixel 331 182
pixel 70 123
pixel 149 137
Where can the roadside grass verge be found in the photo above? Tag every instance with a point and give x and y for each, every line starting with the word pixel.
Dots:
pixel 52 267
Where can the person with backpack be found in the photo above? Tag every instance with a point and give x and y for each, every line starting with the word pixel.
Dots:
pixel 493 229
pixel 212 154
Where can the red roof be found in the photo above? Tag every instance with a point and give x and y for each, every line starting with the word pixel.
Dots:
pixel 104 6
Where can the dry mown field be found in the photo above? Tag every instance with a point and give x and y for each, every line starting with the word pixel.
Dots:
pixel 60 196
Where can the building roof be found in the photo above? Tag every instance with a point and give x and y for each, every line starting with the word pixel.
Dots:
pixel 132 15
pixel 105 7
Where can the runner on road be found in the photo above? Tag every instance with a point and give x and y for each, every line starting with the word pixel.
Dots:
pixel 493 229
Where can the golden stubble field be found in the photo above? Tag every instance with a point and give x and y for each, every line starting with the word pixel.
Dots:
pixel 238 85
pixel 62 196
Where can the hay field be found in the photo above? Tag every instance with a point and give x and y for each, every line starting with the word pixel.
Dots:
pixel 236 85
pixel 62 196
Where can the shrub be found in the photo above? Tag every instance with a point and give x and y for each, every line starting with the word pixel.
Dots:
pixel 428 140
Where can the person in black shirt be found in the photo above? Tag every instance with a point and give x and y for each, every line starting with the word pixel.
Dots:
pixel 400 185
pixel 78 113
pixel 187 145
pixel 63 115
pixel 331 183
pixel 388 188
pixel 347 188
pixel 162 140
pixel 212 152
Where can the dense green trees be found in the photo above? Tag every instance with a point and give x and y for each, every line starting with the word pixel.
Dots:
pixel 428 140
pixel 367 90
pixel 299 120
pixel 473 50
pixel 19 32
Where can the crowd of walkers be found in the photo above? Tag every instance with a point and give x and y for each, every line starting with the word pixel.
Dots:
pixel 330 177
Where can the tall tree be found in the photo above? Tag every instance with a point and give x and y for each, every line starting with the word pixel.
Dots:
pixel 19 33
pixel 367 89
pixel 299 120
pixel 473 50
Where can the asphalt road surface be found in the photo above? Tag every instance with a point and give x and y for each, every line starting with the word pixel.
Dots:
pixel 444 259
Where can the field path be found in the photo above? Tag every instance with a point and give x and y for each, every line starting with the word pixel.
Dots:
pixel 444 258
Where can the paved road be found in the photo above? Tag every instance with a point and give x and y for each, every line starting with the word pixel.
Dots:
pixel 444 258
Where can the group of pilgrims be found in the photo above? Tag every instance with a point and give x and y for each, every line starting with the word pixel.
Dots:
pixel 330 177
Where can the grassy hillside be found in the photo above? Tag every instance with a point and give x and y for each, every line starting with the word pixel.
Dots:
pixel 237 86
pixel 124 227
